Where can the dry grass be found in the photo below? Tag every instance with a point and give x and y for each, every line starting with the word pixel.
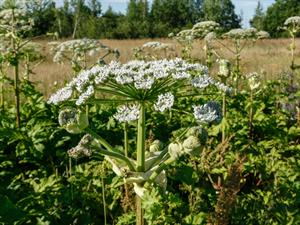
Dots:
pixel 268 57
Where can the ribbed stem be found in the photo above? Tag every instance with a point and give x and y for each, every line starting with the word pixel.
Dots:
pixel 141 137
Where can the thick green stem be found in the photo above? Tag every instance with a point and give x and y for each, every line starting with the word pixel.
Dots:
pixel 1 88
pixel 251 116
pixel 237 65
pixel 17 93
pixel 224 118
pixel 141 137
pixel 16 72
pixel 293 47
pixel 110 151
pixel 126 140
pixel 103 199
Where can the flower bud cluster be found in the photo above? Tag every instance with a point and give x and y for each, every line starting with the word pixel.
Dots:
pixel 75 49
pixel 73 120
pixel 195 139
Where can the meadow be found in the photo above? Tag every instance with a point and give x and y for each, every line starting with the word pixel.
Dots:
pixel 268 57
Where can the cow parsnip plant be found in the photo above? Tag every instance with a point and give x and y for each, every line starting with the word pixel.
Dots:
pixel 292 26
pixel 206 31
pixel 13 25
pixel 240 38
pixel 138 86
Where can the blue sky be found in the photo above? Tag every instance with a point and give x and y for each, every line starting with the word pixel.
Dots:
pixel 244 7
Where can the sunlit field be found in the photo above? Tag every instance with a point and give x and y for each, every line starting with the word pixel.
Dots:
pixel 269 57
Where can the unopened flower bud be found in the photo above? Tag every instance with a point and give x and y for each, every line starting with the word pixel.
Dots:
pixel 73 121
pixel 156 146
pixel 191 143
pixel 175 150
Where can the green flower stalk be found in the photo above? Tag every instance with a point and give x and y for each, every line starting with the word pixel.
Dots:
pixel 254 84
pixel 224 74
pixel 240 38
pixel 200 31
pixel 292 26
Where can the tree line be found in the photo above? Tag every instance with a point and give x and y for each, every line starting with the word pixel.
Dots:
pixel 145 19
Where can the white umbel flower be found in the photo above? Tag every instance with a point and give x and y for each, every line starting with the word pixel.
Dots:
pixel 127 113
pixel 164 102
pixel 61 95
pixel 207 113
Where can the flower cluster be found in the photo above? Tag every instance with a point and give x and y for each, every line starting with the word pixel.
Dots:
pixel 207 113
pixel 136 81
pixel 14 20
pixel 253 81
pixel 202 29
pixel 75 49
pixel 224 68
pixel 292 20
pixel 140 75
pixel 292 24
pixel 127 113
pixel 262 34
pixel 164 102
pixel 155 45
pixel 241 33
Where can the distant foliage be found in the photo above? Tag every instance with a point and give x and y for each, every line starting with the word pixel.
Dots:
pixel 277 13
pixel 142 19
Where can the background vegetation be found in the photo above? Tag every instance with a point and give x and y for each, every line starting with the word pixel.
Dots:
pixel 86 18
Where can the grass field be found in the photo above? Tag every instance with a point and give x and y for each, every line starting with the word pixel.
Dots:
pixel 268 57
